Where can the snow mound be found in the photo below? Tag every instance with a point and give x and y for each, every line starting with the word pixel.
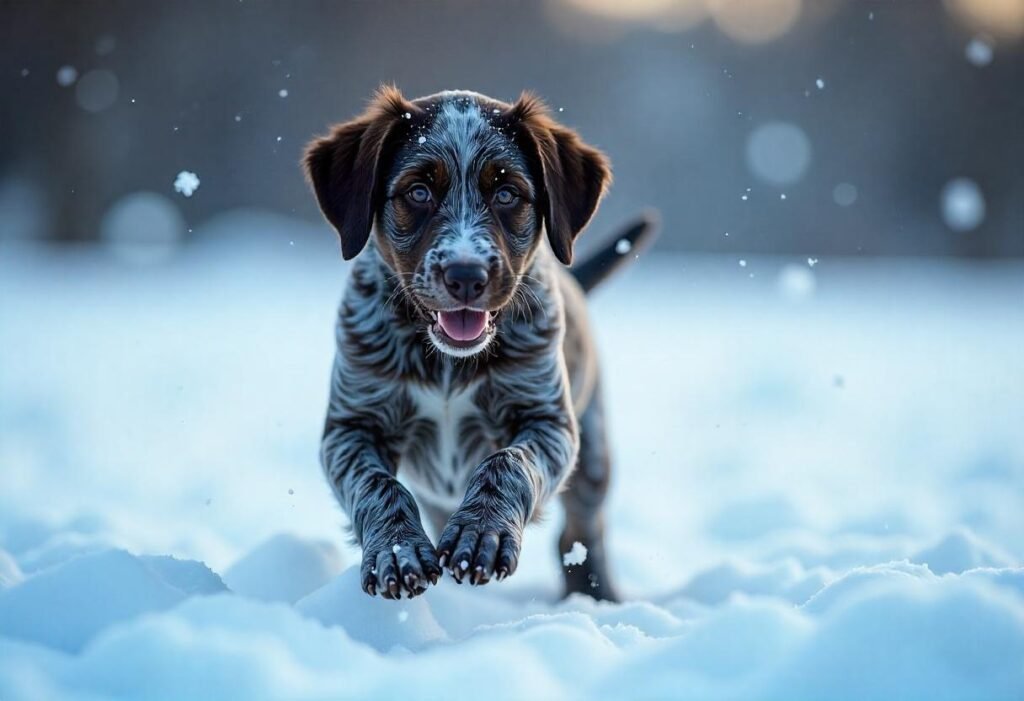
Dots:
pixel 10 573
pixel 460 610
pixel 959 551
pixel 284 568
pixel 927 637
pixel 378 622
pixel 64 607
pixel 753 518
pixel 786 580
pixel 859 577
pixel 1007 578
pixel 890 627
pixel 60 548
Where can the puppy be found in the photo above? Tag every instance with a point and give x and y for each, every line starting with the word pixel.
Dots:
pixel 464 360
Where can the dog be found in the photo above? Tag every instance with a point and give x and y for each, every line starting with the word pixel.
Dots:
pixel 464 358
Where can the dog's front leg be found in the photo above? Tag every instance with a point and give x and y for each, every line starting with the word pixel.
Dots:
pixel 397 554
pixel 483 537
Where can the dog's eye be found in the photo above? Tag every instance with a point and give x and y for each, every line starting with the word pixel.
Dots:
pixel 418 193
pixel 505 196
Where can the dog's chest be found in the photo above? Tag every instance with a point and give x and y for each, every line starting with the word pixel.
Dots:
pixel 448 439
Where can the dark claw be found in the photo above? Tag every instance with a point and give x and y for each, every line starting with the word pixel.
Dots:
pixel 393 589
pixel 371 589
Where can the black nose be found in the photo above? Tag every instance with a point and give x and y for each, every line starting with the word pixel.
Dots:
pixel 465 281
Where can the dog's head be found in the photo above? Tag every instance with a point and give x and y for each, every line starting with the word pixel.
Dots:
pixel 460 187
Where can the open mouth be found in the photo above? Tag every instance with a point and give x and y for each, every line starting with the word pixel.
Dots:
pixel 462 329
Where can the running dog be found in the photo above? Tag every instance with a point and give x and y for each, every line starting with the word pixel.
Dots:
pixel 464 358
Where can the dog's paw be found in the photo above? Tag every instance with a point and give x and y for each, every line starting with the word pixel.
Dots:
pixel 477 547
pixel 401 561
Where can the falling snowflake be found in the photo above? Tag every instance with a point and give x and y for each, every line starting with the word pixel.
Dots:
pixel 577 555
pixel 186 183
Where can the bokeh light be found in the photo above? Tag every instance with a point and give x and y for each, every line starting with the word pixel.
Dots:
pixel 66 76
pixel 745 21
pixel 844 194
pixel 963 204
pixel 668 14
pixel 1004 18
pixel 97 90
pixel 754 21
pixel 778 153
pixel 979 51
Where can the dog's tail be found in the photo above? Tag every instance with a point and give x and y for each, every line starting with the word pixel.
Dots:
pixel 618 252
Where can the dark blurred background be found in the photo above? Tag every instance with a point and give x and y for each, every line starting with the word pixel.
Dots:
pixel 831 127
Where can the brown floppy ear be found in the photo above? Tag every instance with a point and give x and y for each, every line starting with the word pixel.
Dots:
pixel 576 175
pixel 344 167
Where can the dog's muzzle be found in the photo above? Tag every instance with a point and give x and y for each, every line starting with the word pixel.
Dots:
pixel 462 332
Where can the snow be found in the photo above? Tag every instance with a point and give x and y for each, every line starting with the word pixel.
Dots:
pixel 814 500
pixel 960 551
pixel 421 140
pixel 284 568
pixel 820 84
pixel 343 603
pixel 577 555
pixel 283 92
pixel 186 183
pixel 796 282
pixel 64 607
pixel 623 246
pixel 10 573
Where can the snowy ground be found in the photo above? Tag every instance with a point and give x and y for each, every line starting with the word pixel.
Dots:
pixel 818 495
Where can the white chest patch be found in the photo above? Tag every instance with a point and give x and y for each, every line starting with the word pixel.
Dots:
pixel 439 472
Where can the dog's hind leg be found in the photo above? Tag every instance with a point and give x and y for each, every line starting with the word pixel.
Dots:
pixel 584 500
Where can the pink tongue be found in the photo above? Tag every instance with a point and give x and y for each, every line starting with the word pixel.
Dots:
pixel 463 325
